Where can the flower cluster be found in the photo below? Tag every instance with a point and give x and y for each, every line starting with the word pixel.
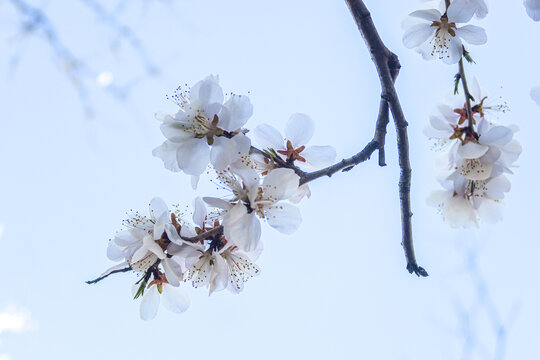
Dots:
pixel 479 154
pixel 217 247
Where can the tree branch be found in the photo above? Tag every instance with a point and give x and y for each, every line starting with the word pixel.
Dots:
pixel 343 165
pixel 218 230
pixel 387 67
pixel 126 269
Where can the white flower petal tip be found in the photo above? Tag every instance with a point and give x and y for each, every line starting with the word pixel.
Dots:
pixel 472 150
pixel 149 304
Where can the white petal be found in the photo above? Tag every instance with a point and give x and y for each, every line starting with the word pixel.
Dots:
pixel 140 254
pixel 220 275
pixel 143 263
pixel 269 137
pixel 114 252
pixel 249 176
pixel 175 299
pixel 472 150
pixel 149 304
pixel 241 228
pixel 481 9
pixel 460 11
pixel 284 217
pixel 218 203
pixel 194 181
pixel 417 35
pixel 236 112
pixel 455 51
pixel 199 212
pixel 459 212
pixel 490 211
pixel 429 15
pixel 175 132
pixel 164 117
pixel 173 271
pixel 438 197
pixel 475 170
pixel 303 191
pixel 243 144
pixel 167 153
pixel 159 212
pixel 129 237
pixel 474 35
pixel 187 231
pixel 280 184
pixel 153 246
pixel 223 152
pixel 207 91
pixel 193 156
pixel 496 187
pixel 497 135
pixel 299 129
pixel 535 92
pixel 319 156
pixel 430 132
pixel 172 234
pixel 439 124
pixel 491 156
pixel 448 113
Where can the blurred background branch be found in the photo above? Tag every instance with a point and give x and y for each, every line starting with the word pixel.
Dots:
pixel 81 72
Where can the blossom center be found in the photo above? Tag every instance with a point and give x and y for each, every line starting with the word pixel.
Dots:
pixel 291 153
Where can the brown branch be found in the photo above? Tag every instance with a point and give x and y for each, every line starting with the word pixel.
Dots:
pixel 343 165
pixel 468 95
pixel 387 64
pixel 126 269
pixel 218 230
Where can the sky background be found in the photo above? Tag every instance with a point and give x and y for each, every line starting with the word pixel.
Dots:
pixel 338 287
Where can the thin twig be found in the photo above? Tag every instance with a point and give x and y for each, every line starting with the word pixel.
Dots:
pixel 126 269
pixel 343 165
pixel 468 95
pixel 381 56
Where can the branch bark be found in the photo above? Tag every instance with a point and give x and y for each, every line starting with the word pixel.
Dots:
pixel 387 65
pixel 468 95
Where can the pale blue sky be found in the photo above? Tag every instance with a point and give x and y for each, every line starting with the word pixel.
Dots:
pixel 337 288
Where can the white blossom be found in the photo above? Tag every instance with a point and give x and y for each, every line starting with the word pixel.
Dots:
pixel 465 201
pixel 298 132
pixel 204 130
pixel 438 35
pixel 228 268
pixel 137 245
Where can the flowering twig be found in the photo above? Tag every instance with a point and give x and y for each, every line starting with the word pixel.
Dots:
pixel 385 61
pixel 126 269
